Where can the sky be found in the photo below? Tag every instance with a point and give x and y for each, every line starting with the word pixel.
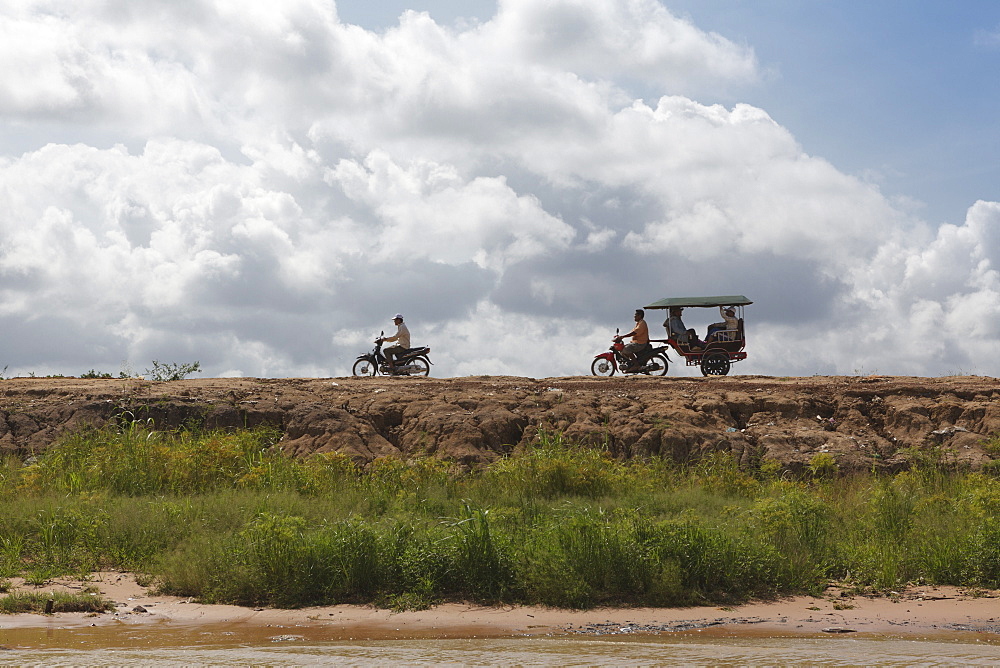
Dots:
pixel 261 186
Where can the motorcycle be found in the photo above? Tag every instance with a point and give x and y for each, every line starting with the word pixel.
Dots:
pixel 414 362
pixel 653 361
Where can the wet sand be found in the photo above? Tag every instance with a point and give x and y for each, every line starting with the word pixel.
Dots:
pixel 916 612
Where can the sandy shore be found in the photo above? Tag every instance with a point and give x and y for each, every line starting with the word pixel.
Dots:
pixel 913 612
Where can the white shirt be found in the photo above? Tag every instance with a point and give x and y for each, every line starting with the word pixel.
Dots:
pixel 402 336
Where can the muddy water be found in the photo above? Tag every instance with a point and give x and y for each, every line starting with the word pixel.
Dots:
pixel 290 646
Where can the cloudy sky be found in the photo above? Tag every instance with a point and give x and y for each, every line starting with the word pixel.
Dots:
pixel 260 186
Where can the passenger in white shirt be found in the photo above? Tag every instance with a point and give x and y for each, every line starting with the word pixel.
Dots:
pixel 725 330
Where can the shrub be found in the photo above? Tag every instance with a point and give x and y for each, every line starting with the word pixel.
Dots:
pixel 163 371
pixel 95 374
pixel 823 465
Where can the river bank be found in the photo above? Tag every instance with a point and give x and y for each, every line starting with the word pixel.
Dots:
pixel 215 511
pixel 915 612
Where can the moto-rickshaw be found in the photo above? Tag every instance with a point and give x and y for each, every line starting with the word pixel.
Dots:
pixel 720 348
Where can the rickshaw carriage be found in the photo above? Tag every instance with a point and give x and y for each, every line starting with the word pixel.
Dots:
pixel 723 347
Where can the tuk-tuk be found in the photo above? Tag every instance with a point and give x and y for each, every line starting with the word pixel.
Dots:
pixel 720 348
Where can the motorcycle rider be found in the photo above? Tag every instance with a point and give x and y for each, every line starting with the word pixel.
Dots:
pixel 640 339
pixel 402 339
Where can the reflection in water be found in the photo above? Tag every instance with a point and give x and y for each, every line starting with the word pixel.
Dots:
pixel 285 650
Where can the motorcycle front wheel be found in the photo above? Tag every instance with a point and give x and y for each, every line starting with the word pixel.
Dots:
pixel 602 367
pixel 364 367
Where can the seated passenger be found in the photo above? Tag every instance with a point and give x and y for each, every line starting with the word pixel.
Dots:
pixel 717 331
pixel 675 326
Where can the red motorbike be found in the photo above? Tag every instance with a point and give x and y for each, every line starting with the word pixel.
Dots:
pixel 653 361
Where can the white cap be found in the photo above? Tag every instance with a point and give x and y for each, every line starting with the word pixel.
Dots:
pixel 398 316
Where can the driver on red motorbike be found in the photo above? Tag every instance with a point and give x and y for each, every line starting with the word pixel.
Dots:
pixel 639 335
pixel 402 339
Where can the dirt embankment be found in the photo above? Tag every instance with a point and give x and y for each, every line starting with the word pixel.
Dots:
pixel 869 422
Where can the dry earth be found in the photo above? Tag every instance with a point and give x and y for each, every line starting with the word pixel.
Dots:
pixel 865 423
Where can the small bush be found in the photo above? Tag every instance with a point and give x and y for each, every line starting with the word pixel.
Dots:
pixel 823 465
pixel 95 374
pixel 164 371
pixel 992 445
pixel 554 470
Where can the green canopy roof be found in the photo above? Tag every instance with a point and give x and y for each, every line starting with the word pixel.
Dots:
pixel 725 300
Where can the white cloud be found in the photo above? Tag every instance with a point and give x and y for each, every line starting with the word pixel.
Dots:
pixel 427 211
pixel 259 186
pixel 611 39
pixel 987 38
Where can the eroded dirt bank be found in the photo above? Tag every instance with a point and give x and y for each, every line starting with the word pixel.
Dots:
pixel 864 422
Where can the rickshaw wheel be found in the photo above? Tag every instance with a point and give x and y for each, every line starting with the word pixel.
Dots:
pixel 715 364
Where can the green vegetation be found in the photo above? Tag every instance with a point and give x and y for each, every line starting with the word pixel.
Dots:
pixel 93 373
pixel 172 370
pixel 161 371
pixel 53 602
pixel 226 517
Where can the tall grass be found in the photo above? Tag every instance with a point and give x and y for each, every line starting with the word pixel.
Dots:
pixel 53 602
pixel 227 517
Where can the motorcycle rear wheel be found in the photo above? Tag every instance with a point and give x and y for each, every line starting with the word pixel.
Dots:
pixel 364 367
pixel 602 367
pixel 662 361
pixel 422 364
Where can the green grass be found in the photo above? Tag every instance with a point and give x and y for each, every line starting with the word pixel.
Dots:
pixel 226 517
pixel 41 602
